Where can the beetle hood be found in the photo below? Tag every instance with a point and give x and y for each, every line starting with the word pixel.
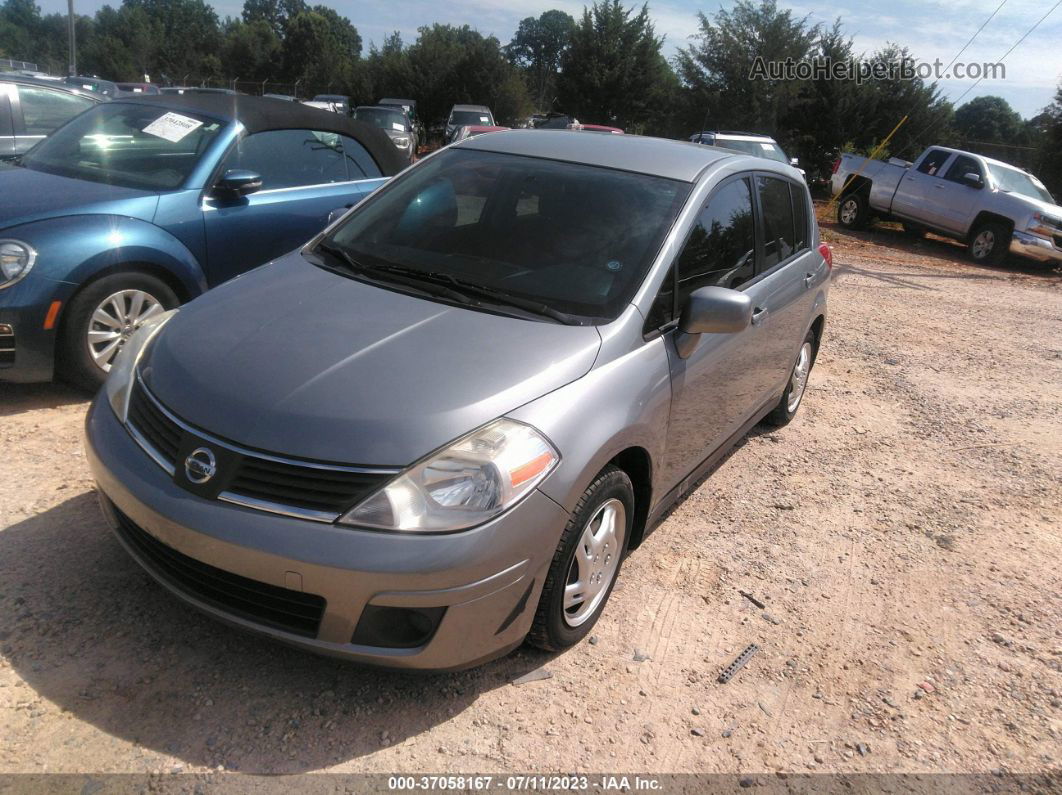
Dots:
pixel 27 195
pixel 299 361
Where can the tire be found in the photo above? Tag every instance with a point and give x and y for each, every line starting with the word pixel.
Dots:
pixel 787 407
pixel 853 211
pixel 913 231
pixel 86 364
pixel 989 243
pixel 556 627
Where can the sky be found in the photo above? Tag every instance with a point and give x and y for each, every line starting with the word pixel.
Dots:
pixel 930 28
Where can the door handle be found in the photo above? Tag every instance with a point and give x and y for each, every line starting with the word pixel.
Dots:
pixel 939 186
pixel 759 314
pixel 809 279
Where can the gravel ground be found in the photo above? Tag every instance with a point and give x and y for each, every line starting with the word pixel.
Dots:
pixel 903 534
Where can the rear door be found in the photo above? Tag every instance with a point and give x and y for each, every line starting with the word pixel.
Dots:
pixel 918 196
pixel 306 174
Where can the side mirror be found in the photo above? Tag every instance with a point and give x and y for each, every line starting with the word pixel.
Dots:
pixel 712 310
pixel 238 182
pixel 794 161
pixel 972 180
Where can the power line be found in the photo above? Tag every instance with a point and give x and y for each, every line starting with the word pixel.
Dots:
pixel 981 79
pixel 978 33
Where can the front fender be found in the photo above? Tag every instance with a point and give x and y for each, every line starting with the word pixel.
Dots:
pixel 73 249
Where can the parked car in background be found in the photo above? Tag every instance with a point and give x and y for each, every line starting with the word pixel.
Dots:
pixel 195 90
pixel 749 143
pixel 339 102
pixel 95 84
pixel 137 88
pixel 994 207
pixel 327 106
pixel 32 108
pixel 394 123
pixel 438 428
pixel 467 115
pixel 468 130
pixel 562 121
pixel 283 97
pixel 142 203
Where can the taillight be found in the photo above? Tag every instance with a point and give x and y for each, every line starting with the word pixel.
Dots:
pixel 836 165
pixel 827 254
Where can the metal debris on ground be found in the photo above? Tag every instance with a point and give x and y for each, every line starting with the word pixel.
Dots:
pixel 534 676
pixel 640 656
pixel 753 599
pixel 738 663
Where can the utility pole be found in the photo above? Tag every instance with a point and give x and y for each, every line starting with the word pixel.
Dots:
pixel 73 37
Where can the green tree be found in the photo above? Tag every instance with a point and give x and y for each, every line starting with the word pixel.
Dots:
pixel 1050 154
pixel 275 13
pixel 989 119
pixel 613 72
pixel 387 71
pixel 716 70
pixel 321 50
pixel 20 28
pixel 183 34
pixel 250 50
pixel 537 49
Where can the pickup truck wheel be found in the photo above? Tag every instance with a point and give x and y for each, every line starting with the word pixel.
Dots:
pixel 102 317
pixel 853 212
pixel 787 407
pixel 989 243
pixel 586 563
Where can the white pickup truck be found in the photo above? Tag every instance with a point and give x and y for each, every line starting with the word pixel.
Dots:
pixel 992 206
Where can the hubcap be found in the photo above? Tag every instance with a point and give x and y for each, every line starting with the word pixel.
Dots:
pixel 596 562
pixel 115 320
pixel 799 380
pixel 849 210
pixel 983 244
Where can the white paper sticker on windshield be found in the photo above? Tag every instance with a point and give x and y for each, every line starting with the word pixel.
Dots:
pixel 172 126
pixel 484 120
pixel 397 126
pixel 768 147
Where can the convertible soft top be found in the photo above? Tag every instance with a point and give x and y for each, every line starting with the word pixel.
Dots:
pixel 258 114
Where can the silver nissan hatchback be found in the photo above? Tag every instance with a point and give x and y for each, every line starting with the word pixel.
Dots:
pixel 437 429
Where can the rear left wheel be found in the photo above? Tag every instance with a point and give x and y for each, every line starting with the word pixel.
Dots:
pixel 787 407
pixel 586 563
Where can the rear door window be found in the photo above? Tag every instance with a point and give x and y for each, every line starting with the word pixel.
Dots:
pixel 43 110
pixel 776 207
pixel 933 162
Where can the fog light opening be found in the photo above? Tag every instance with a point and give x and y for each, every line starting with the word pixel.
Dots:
pixel 397 627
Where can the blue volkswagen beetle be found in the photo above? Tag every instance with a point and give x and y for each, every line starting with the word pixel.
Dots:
pixel 138 205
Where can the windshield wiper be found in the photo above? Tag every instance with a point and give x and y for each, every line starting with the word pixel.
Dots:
pixel 403 274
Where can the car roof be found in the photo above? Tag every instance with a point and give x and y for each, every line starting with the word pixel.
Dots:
pixel 987 159
pixel 58 84
pixel 259 114
pixel 680 160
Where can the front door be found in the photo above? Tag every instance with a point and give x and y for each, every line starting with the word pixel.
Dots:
pixel 305 174
pixel 959 201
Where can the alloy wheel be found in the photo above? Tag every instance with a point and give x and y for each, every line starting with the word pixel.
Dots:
pixel 849 211
pixel 983 244
pixel 798 382
pixel 596 561
pixel 114 321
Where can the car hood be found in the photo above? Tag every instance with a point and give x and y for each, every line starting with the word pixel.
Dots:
pixel 27 195
pixel 1029 204
pixel 299 361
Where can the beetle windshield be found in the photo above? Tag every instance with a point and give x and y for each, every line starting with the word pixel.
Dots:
pixel 126 144
pixel 1012 180
pixel 574 238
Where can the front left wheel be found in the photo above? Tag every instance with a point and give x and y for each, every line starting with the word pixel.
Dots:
pixel 102 317
pixel 586 563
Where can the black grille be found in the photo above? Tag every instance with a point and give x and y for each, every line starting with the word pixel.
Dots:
pixel 285 483
pixel 151 422
pixel 7 348
pixel 328 490
pixel 292 611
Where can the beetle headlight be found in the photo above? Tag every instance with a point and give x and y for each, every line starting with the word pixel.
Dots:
pixel 401 141
pixel 16 260
pixel 474 479
pixel 119 383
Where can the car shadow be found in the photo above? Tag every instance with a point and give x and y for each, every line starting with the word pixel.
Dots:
pixel 89 631
pixel 17 398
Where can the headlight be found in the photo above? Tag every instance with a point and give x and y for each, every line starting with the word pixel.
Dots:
pixel 474 479
pixel 401 141
pixel 1046 225
pixel 16 260
pixel 119 383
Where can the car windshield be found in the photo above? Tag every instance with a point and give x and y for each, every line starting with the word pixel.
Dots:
pixel 1012 180
pixel 576 239
pixel 471 118
pixel 767 149
pixel 384 118
pixel 131 145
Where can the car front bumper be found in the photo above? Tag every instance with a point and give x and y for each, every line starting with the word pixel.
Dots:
pixel 27 348
pixel 485 582
pixel 1035 247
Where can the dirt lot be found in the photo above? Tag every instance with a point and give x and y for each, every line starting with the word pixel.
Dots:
pixel 903 533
